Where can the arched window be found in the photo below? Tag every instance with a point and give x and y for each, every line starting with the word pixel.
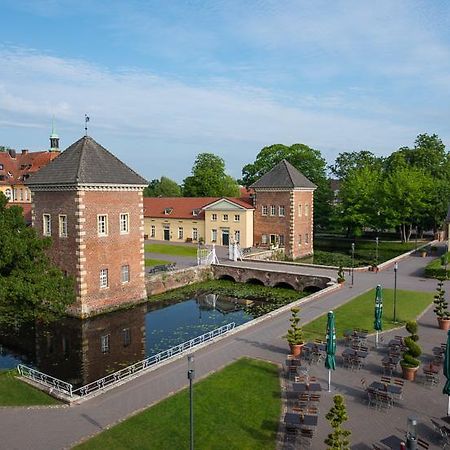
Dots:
pixel 8 194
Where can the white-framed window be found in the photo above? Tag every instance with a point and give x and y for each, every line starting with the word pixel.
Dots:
pixel 62 225
pixel 102 224
pixel 47 224
pixel 27 195
pixel 264 239
pixel 213 217
pixel 237 217
pixel 124 223
pixel 8 194
pixel 125 273
pixel 264 210
pixel 14 194
pixel 281 211
pixel 237 236
pixel 273 210
pixel 281 240
pixel 306 210
pixel 21 195
pixel 126 336
pixel 213 235
pixel 153 231
pixel 103 278
pixel 104 343
pixel 306 238
pixel 299 239
pixel 194 234
pixel 180 232
pixel 299 210
pixel 225 217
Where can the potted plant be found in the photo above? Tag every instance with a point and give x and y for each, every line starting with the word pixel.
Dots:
pixel 340 437
pixel 340 275
pixel 441 311
pixel 294 335
pixel 409 361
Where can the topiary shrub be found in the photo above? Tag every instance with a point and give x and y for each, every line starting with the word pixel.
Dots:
pixel 294 335
pixel 441 306
pixel 413 350
pixel 340 275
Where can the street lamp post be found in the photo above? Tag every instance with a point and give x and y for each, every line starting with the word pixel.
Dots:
pixel 376 251
pixel 191 375
pixel 395 291
pixel 353 260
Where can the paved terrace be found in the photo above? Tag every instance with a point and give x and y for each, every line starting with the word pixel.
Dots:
pixel 61 427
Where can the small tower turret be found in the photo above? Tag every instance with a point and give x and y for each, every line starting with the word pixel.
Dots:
pixel 54 140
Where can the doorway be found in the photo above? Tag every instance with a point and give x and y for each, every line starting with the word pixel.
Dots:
pixel 166 233
pixel 225 237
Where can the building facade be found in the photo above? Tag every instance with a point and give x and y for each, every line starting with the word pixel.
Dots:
pixel 212 220
pixel 284 207
pixel 91 205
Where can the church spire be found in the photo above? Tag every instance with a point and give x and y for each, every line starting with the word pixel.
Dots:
pixel 54 139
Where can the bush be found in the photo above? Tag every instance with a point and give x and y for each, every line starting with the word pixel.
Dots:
pixel 436 268
pixel 340 275
pixel 441 309
pixel 295 333
pixel 413 349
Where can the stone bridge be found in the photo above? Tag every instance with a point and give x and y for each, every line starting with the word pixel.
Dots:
pixel 270 278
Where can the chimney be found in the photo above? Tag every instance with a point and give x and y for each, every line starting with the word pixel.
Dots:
pixel 12 153
pixel 25 151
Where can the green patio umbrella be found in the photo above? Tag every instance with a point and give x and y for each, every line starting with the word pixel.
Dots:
pixel 330 360
pixel 446 389
pixel 378 323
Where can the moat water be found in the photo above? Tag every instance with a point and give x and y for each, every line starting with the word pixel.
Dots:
pixel 82 351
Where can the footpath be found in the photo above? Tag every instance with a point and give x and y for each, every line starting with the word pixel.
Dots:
pixel 61 427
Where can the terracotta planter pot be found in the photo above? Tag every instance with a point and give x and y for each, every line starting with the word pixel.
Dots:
pixel 409 373
pixel 296 349
pixel 444 324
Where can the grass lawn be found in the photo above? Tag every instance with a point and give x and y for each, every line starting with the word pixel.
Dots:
pixel 237 407
pixel 14 392
pixel 178 250
pixel 359 312
pixel 156 262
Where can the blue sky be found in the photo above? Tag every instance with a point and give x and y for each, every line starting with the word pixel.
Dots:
pixel 163 81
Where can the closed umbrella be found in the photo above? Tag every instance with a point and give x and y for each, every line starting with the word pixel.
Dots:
pixel 378 323
pixel 330 360
pixel 446 389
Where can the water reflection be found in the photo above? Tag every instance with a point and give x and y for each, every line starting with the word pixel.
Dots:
pixel 82 351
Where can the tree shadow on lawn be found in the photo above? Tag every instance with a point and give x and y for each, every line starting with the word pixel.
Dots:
pixel 258 435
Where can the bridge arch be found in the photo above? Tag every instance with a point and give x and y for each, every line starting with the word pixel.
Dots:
pixel 255 281
pixel 227 277
pixel 284 285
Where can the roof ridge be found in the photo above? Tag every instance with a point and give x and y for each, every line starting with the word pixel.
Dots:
pixel 285 161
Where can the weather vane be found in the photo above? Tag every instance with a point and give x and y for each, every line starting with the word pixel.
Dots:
pixel 86 120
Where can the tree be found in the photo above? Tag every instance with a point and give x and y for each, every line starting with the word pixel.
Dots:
pixel 209 179
pixel 31 288
pixel 165 187
pixel 347 162
pixel 338 439
pixel 308 161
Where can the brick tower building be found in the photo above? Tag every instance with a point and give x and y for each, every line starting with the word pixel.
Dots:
pixel 91 205
pixel 284 202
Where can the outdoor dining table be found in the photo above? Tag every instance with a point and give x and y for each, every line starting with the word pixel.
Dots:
pixel 355 333
pixel 303 387
pixel 438 351
pixel 389 388
pixel 293 362
pixel 300 420
pixel 315 346
pixel 395 343
pixel 353 352
pixel 391 360
pixel 392 441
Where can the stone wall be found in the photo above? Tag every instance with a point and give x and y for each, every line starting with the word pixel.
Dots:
pixel 166 281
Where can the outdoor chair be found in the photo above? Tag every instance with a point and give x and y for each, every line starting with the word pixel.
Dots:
pixel 423 444
pixel 431 378
pixel 357 363
pixel 347 362
pixel 388 369
pixel 292 372
pixel 399 382
pixel 364 383
pixel 443 432
pixel 385 400
pixel 348 340
pixel 372 399
pixel 314 398
pixel 291 434
pixel 386 380
pixel 306 436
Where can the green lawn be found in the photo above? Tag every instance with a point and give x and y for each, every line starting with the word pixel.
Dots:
pixel 237 407
pixel 359 312
pixel 178 250
pixel 14 392
pixel 156 262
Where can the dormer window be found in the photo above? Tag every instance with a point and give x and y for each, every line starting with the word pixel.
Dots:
pixel 1 166
pixel 168 211
pixel 196 212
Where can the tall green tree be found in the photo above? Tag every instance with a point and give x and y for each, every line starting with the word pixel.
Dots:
pixel 165 187
pixel 31 288
pixel 347 162
pixel 339 438
pixel 209 179
pixel 308 161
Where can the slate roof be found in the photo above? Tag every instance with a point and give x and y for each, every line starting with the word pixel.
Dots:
pixel 86 162
pixel 283 175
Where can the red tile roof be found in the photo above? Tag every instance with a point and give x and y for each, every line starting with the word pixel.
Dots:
pixel 183 207
pixel 15 168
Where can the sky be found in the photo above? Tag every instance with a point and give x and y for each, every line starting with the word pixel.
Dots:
pixel 163 81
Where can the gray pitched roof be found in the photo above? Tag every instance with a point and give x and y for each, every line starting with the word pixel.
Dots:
pixel 283 175
pixel 84 162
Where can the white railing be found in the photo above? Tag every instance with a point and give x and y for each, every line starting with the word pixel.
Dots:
pixel 121 375
pixel 45 379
